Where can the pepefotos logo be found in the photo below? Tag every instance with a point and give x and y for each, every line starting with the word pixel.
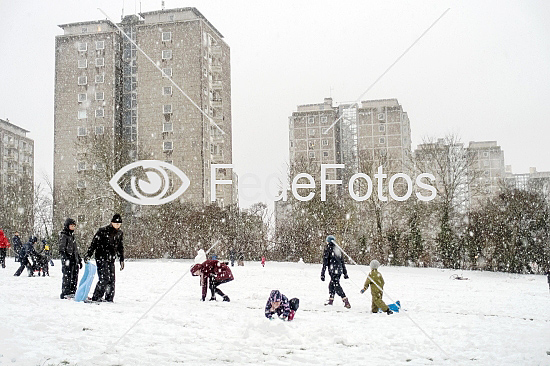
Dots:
pixel 150 188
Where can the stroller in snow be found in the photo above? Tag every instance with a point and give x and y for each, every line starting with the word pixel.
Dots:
pixel 40 264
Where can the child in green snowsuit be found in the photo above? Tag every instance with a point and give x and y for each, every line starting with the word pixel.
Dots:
pixel 374 279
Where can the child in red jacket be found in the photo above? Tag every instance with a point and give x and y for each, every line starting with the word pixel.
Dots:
pixel 4 245
pixel 212 273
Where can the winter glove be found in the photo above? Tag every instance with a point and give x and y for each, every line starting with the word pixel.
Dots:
pixel 362 290
pixel 346 276
pixel 322 277
pixel 121 266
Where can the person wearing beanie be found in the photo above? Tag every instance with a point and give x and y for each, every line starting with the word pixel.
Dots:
pixel 333 259
pixel 376 283
pixel 71 261
pixel 107 244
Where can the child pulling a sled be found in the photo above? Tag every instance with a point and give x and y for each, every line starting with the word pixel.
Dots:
pixel 212 274
pixel 376 283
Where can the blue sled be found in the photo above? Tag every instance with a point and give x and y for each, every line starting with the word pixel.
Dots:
pixel 85 282
pixel 395 307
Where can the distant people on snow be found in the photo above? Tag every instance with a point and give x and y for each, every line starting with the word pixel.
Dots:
pixel 212 274
pixel 24 257
pixel 333 259
pixel 277 303
pixel 71 261
pixel 107 244
pixel 232 256
pixel 376 283
pixel 263 261
pixel 4 245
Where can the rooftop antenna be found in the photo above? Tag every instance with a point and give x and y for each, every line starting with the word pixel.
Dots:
pixel 162 4
pixel 122 16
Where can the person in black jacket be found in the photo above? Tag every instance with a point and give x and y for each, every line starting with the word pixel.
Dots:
pixel 17 245
pixel 26 251
pixel 333 258
pixel 107 244
pixel 71 261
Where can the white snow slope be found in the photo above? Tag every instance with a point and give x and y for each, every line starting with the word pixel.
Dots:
pixel 490 319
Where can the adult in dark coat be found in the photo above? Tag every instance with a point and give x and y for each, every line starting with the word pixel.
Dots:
pixel 333 259
pixel 71 261
pixel 26 251
pixel 4 245
pixel 213 273
pixel 107 244
pixel 17 245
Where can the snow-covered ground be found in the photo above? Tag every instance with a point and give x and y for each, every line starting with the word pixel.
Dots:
pixel 490 319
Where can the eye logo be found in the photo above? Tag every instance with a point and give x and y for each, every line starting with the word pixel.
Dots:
pixel 153 184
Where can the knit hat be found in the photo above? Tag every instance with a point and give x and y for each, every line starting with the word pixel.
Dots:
pixel 117 219
pixel 330 239
pixel 374 264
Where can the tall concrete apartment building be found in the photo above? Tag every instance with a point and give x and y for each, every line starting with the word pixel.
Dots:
pixel 16 178
pixel 489 169
pixel 113 106
pixel 373 130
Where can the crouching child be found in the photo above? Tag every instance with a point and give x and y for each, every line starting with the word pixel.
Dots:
pixel 376 283
pixel 277 303
pixel 212 274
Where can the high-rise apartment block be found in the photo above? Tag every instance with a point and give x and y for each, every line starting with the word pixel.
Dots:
pixel 488 168
pixel 16 178
pixel 114 106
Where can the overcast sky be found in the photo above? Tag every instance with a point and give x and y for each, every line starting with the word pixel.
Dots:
pixel 483 71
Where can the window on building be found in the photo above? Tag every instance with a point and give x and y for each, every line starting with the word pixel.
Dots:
pixel 382 140
pixel 311 132
pixel 82 114
pixel 99 96
pixel 167 90
pixel 99 113
pixel 486 163
pixel 100 45
pixel 166 36
pixel 311 120
pixel 167 108
pixel 82 64
pixel 166 54
pixel 82 97
pixel 325 142
pixel 99 79
pixel 82 80
pixel 485 154
pixel 291 143
pixel 167 146
pixel 325 154
pixel 167 72
pixel 82 131
pixel 312 144
pixel 80 184
pixel 382 128
pixel 324 119
pixel 99 130
pixel 84 30
pixel 81 166
pixel 99 166
pixel 100 62
pixel 167 127
pixel 83 46
pixel 312 154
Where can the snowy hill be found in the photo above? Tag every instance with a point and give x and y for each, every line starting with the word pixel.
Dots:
pixel 490 319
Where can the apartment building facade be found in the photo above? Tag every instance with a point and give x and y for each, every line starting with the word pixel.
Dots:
pixel 113 106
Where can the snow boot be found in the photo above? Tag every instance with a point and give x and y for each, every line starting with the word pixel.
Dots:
pixel 213 298
pixel 389 312
pixel 346 303
pixel 330 301
pixel 226 298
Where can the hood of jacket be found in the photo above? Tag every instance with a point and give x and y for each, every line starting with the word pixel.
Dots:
pixel 68 222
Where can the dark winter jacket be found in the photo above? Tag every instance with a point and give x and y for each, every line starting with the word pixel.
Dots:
pixel 212 270
pixel 107 244
pixel 17 244
pixel 28 249
pixel 4 243
pixel 67 244
pixel 283 310
pixel 333 258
